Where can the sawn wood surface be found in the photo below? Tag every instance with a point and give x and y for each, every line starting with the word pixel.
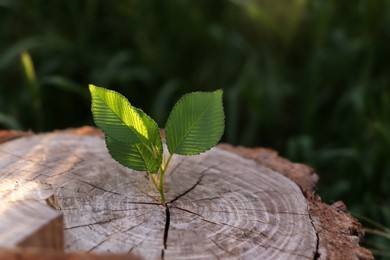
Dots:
pixel 222 204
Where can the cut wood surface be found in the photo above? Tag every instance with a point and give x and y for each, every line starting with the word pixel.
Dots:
pixel 30 224
pixel 226 203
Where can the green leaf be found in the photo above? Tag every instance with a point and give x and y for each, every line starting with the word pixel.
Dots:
pixel 113 113
pixel 196 123
pixel 138 157
pixel 132 137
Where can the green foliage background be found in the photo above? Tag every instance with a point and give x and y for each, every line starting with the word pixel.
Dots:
pixel 310 79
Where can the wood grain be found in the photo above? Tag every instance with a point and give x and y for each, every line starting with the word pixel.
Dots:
pixel 26 219
pixel 221 205
pixel 339 234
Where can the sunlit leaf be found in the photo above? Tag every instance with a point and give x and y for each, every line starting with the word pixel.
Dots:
pixel 113 113
pixel 132 137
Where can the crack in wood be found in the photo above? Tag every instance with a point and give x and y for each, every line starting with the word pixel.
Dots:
pixel 39 175
pixel 186 210
pixel 212 222
pixel 142 203
pixel 167 223
pixel 93 224
pixel 61 173
pixel 107 221
pixel 114 233
pixel 148 195
pixel 100 188
pixel 100 243
pixel 166 230
pixel 188 190
pixel 316 254
pixel 137 245
pixel 168 214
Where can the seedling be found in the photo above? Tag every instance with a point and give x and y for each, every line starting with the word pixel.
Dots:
pixel 195 124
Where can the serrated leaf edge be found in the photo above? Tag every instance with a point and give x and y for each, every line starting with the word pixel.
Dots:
pixel 181 100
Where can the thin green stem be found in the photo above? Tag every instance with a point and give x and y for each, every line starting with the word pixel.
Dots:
pixel 160 187
pixel 167 162
pixel 154 180
pixel 161 190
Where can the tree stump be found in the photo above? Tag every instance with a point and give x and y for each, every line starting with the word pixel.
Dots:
pixel 63 191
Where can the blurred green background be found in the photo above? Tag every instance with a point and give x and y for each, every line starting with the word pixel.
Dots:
pixel 310 79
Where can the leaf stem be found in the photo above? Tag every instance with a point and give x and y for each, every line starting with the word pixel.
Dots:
pixel 160 187
pixel 161 190
pixel 153 177
pixel 167 162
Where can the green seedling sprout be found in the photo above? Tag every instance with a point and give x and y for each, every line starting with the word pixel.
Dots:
pixel 195 124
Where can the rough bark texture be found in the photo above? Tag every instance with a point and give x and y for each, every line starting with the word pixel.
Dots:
pixel 226 203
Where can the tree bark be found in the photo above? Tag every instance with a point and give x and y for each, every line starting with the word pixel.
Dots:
pixel 226 203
